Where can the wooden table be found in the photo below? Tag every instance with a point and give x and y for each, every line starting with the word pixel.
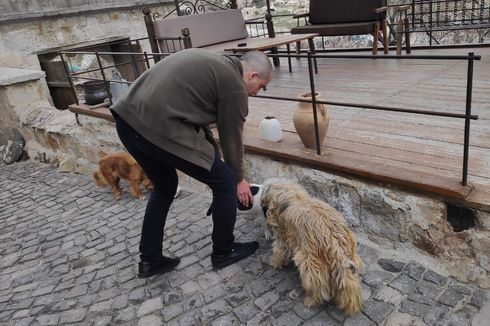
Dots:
pixel 263 44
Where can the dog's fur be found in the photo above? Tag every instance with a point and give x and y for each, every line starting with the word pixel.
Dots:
pixel 318 240
pixel 115 166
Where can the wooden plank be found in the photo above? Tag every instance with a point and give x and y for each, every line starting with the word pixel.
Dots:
pixel 260 43
pixel 290 149
pixel 101 113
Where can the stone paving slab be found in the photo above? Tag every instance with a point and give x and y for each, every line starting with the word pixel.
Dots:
pixel 69 255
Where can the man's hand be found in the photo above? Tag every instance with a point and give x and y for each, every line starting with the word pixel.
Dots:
pixel 244 194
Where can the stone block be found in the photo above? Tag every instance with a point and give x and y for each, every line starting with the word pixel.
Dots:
pixel 377 278
pixel 267 300
pixel 390 295
pixel 391 265
pixel 150 306
pixel 428 290
pixel 451 297
pixel 413 270
pixel 414 308
pixel 377 310
pixel 435 278
pixel 403 284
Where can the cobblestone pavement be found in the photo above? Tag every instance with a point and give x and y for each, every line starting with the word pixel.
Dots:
pixel 68 255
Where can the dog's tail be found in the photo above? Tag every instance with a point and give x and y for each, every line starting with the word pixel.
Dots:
pixel 347 287
pixel 99 179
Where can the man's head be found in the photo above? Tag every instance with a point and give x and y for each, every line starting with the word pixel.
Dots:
pixel 257 71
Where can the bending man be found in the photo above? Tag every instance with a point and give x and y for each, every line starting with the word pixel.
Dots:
pixel 163 121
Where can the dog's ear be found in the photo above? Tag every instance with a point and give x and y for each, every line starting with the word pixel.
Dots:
pixel 282 207
pixel 264 210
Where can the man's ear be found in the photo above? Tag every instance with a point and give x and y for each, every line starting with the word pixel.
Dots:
pixel 252 74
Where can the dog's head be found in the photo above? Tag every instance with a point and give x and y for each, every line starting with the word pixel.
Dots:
pixel 277 195
pixel 147 183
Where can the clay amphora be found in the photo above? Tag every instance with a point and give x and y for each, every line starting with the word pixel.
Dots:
pixel 304 121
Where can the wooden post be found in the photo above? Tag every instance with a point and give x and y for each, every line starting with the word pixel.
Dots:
pixel 177 7
pixel 385 36
pixel 186 33
pixel 268 18
pixel 376 38
pixel 150 29
pixel 270 31
pixel 399 36
pixel 408 49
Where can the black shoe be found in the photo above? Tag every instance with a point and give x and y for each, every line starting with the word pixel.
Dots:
pixel 238 252
pixel 163 265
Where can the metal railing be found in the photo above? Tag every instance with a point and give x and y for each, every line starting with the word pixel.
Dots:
pixel 311 59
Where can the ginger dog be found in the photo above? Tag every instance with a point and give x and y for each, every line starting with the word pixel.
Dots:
pixel 318 240
pixel 115 166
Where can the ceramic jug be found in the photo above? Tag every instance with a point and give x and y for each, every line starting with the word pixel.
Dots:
pixel 304 122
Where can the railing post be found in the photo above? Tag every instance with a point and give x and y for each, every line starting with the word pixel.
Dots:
pixel 186 37
pixel 106 83
pixel 313 103
pixel 177 7
pixel 147 61
pixel 68 75
pixel 469 90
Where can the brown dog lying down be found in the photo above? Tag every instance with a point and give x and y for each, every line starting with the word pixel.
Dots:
pixel 115 166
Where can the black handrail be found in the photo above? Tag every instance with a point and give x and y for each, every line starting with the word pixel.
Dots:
pixel 311 57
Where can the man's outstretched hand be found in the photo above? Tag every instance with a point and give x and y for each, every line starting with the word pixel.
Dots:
pixel 244 194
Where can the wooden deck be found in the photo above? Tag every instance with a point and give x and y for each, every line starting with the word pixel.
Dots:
pixel 419 152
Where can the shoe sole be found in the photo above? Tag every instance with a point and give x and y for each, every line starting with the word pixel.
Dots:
pixel 162 270
pixel 223 265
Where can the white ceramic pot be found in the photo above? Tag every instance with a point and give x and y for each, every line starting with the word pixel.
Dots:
pixel 270 129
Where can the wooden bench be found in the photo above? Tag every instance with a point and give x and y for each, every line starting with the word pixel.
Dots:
pixel 439 16
pixel 214 31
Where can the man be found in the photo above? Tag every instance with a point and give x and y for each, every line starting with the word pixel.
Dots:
pixel 163 121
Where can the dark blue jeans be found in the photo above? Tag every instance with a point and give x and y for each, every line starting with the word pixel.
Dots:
pixel 160 166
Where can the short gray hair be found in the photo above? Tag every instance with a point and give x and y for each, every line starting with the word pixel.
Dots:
pixel 259 62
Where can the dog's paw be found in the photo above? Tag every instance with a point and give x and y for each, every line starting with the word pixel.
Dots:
pixel 142 197
pixel 309 302
pixel 276 263
pixel 268 235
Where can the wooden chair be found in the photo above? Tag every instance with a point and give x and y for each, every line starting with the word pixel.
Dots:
pixel 341 17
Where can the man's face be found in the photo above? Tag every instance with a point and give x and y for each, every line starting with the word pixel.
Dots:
pixel 254 82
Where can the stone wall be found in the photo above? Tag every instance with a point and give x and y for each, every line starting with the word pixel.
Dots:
pixel 27 27
pixel 40 9
pixel 51 135
pixel 390 214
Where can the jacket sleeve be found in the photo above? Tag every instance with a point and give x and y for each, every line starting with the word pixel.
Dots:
pixel 231 113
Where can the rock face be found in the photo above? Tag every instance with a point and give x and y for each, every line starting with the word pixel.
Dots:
pixel 11 146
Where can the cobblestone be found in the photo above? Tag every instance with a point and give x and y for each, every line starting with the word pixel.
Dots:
pixel 69 255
